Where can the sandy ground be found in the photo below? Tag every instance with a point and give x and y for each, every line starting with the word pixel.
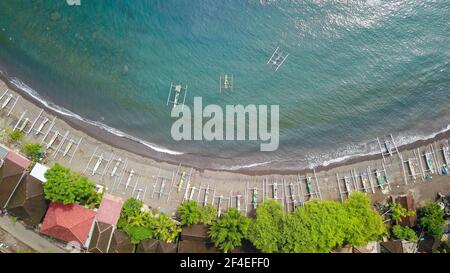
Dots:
pixel 157 183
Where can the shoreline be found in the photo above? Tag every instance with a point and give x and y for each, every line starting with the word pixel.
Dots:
pixel 133 146
pixel 157 179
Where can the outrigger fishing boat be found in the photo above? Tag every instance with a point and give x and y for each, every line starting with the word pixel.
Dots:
pixel 388 147
pixel 364 181
pixel 115 167
pixel 446 155
pixel 380 180
pixel 238 202
pixel 255 198
pixel 347 185
pixel 275 190
pixel 411 168
pixel 309 185
pixel 292 190
pixel 429 160
pixel 182 178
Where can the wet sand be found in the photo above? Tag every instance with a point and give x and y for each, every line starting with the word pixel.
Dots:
pixel 155 176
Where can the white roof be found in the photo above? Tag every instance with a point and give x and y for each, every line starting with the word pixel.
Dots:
pixel 38 172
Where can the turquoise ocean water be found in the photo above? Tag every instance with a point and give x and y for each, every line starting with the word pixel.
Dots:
pixel 356 70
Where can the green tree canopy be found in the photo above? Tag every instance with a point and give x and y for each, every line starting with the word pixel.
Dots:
pixel 164 228
pixel 131 208
pixel 228 232
pixel 267 229
pixel 33 151
pixel 68 187
pixel 398 212
pixel 191 213
pixel 404 233
pixel 363 224
pixel 431 219
pixel 320 226
pixel 140 225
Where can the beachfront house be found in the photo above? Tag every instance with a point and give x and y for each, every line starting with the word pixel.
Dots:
pixel 104 237
pixel 12 171
pixel 28 201
pixel 68 223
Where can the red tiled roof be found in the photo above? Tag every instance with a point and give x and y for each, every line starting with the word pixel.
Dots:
pixel 18 159
pixel 69 223
pixel 109 210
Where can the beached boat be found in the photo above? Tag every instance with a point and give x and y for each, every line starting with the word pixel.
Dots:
pixel 182 178
pixel 347 185
pixel 309 185
pixel 429 161
pixel 380 180
pixel 255 198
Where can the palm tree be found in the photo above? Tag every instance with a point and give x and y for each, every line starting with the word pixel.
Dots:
pixel 229 231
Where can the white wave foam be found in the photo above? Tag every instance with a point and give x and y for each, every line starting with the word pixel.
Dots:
pixel 235 168
pixel 22 86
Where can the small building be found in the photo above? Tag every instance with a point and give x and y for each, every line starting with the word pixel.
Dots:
pixel 407 202
pixel 109 210
pixel 12 172
pixel 105 223
pixel 197 232
pixel 68 223
pixel 28 201
pixel 156 246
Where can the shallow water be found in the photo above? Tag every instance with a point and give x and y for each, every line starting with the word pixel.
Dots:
pixel 356 69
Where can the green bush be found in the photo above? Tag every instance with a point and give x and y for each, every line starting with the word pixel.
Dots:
pixel 228 232
pixel 431 219
pixel 398 212
pixel 33 151
pixel 68 187
pixel 404 233
pixel 140 225
pixel 14 136
pixel 319 226
pixel 267 228
pixel 191 213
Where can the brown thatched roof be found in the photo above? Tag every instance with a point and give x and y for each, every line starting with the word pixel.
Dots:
pixel 155 246
pixel 11 172
pixel 197 232
pixel 28 202
pixel 120 243
pixel 101 237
